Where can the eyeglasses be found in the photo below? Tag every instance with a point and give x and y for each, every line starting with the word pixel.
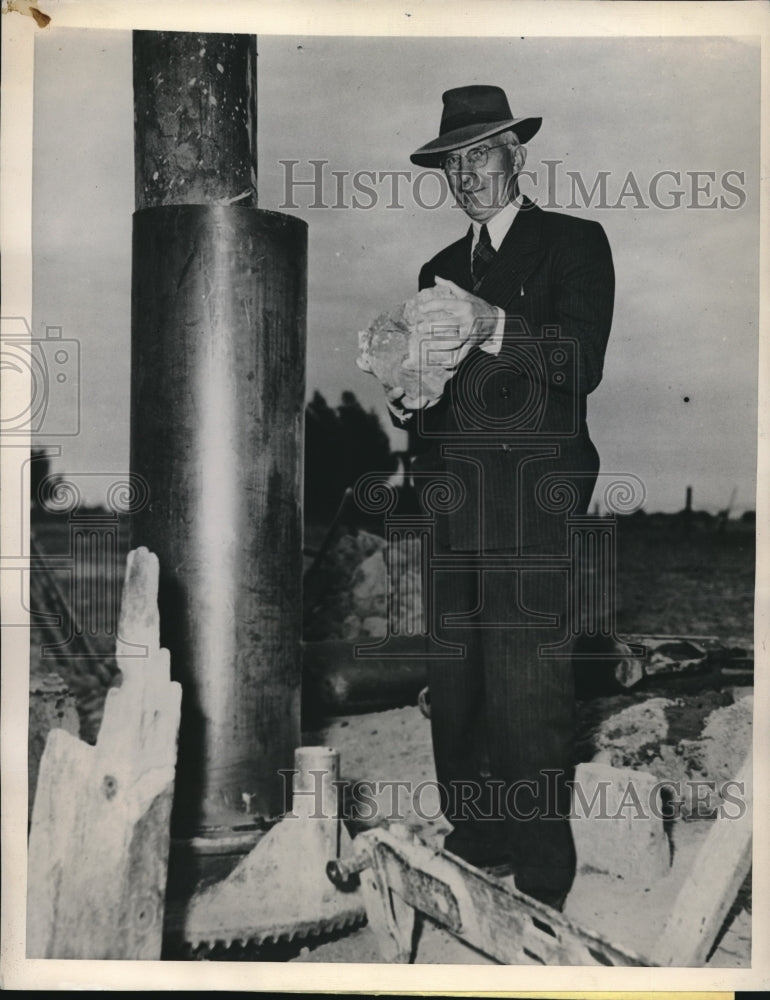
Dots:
pixel 475 158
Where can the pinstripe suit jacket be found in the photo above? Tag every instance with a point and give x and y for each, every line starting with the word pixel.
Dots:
pixel 509 435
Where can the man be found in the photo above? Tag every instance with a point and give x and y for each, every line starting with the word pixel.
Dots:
pixel 529 315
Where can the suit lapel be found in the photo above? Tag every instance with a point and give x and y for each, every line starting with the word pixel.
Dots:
pixel 459 269
pixel 517 257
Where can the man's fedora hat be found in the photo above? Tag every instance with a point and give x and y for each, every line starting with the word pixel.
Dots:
pixel 471 114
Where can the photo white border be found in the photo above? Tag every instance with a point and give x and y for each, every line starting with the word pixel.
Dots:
pixel 419 18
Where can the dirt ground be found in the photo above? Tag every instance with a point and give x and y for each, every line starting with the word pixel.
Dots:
pixel 395 744
pixel 673 578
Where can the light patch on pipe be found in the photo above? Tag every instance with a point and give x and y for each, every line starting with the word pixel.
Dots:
pixel 220 464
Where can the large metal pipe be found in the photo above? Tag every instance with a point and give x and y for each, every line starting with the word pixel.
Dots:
pixel 218 381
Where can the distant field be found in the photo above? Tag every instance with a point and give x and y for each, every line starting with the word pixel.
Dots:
pixel 697 582
pixel 670 580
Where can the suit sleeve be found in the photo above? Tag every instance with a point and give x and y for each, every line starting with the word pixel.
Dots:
pixel 582 299
pixel 427 276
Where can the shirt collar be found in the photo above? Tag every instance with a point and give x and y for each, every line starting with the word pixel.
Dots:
pixel 498 225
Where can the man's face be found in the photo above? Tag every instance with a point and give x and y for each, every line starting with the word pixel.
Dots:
pixel 482 189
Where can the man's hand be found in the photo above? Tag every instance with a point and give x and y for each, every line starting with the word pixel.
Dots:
pixel 461 320
pixel 394 401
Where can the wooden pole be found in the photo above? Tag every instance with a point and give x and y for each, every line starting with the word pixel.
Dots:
pixel 218 380
pixel 195 119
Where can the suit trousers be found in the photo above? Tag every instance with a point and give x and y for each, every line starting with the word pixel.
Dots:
pixel 502 718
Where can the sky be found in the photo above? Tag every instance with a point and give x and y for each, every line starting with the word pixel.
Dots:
pixel 677 405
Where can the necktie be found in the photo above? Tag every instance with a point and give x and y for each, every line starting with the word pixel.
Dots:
pixel 483 255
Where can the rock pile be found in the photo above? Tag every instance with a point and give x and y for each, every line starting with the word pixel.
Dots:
pixel 355 589
pixel 696 743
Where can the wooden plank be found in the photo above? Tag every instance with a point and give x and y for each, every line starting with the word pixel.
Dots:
pixel 98 846
pixel 502 923
pixel 721 866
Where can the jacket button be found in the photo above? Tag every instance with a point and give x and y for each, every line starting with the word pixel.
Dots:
pixel 505 392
